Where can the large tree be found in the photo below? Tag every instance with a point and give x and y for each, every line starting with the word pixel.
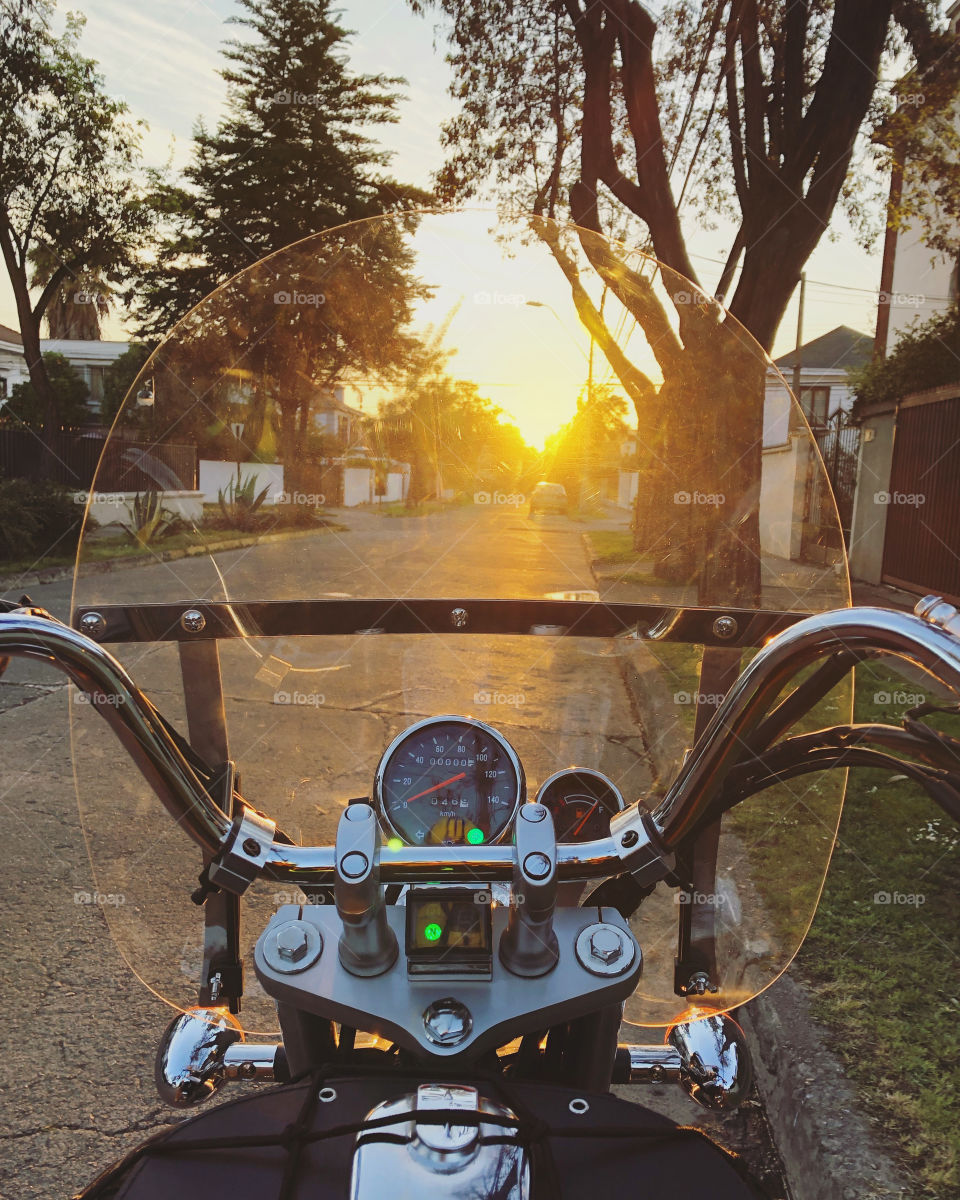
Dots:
pixel 292 155
pixel 67 160
pixel 750 108
pixel 577 110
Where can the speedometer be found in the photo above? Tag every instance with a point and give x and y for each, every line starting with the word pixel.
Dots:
pixel 449 781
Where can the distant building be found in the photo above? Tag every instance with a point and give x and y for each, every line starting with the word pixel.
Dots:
pixel 91 360
pixel 337 419
pixel 824 388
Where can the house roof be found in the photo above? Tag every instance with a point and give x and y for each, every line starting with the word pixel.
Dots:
pixel 838 350
pixel 10 335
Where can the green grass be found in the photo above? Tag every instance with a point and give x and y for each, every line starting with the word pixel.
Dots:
pixel 612 546
pixel 884 977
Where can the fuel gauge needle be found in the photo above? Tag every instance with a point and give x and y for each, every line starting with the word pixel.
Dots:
pixel 436 787
pixel 586 816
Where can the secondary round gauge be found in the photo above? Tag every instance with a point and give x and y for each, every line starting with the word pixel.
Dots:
pixel 449 781
pixel 581 802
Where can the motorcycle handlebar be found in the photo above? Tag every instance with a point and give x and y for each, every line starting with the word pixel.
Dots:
pixel 634 836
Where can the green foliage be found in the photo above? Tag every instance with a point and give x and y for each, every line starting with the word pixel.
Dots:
pixel 149 521
pixel 290 157
pixel 239 502
pixel 70 395
pixel 68 157
pixel 927 355
pixel 36 518
pixel 118 379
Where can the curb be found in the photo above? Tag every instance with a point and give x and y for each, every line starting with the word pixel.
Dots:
pixel 828 1146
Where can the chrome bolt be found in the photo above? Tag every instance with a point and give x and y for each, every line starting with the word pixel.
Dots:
pixel 447 1022
pixel 292 943
pixel 725 627
pixel 93 625
pixel 533 812
pixel 354 865
pixel 193 621
pixel 606 945
pixel 536 865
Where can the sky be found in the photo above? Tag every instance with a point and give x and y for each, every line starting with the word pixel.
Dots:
pixel 163 59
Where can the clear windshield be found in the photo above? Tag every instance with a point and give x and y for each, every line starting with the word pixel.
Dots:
pixel 461 409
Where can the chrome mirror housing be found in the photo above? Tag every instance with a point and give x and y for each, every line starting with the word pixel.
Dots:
pixel 190 1057
pixel 716 1070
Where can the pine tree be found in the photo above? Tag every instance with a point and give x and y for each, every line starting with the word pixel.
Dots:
pixel 292 155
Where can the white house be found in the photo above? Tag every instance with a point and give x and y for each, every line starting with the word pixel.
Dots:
pixel 334 417
pixel 13 363
pixel 90 359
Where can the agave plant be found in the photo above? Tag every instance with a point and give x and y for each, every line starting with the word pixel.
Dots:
pixel 149 520
pixel 240 500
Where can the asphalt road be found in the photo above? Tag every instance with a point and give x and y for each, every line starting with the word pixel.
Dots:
pixel 307 724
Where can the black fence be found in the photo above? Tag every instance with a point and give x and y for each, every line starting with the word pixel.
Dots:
pixel 839 443
pixel 73 457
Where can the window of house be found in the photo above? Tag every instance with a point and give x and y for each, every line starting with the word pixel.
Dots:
pixel 815 402
pixel 3 387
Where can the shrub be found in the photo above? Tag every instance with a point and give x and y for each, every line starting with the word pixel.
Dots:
pixel 36 517
pixel 926 355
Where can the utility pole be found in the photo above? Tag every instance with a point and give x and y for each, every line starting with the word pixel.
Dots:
pixel 798 360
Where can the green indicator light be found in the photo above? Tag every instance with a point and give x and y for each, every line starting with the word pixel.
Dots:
pixel 433 932
pixel 474 836
pixel 394 844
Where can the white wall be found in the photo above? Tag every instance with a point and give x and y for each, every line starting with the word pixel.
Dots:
pixel 627 488
pixel 109 507
pixel 216 477
pixel 780 525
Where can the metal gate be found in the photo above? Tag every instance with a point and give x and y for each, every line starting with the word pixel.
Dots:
pixel 921 550
pixel 838 443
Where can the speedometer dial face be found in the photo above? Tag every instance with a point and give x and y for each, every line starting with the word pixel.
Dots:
pixel 449 781
pixel 581 802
